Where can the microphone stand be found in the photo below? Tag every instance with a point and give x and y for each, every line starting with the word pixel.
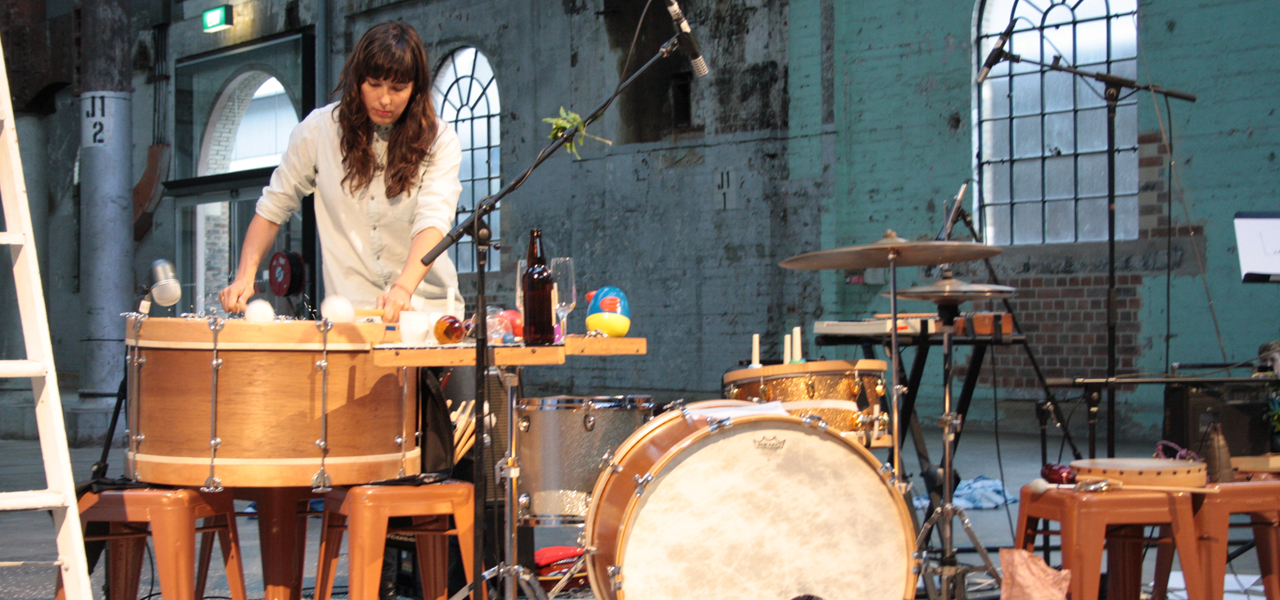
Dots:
pixel 1113 85
pixel 509 468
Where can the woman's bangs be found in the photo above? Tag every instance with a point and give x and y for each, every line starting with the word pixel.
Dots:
pixel 394 63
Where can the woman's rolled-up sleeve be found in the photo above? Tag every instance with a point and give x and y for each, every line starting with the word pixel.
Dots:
pixel 438 194
pixel 295 178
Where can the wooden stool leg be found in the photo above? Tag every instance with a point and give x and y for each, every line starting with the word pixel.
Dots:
pixel 433 558
pixel 1164 566
pixel 173 530
pixel 124 561
pixel 464 521
pixel 1267 537
pixel 1124 562
pixel 229 541
pixel 331 528
pixel 366 543
pixel 203 557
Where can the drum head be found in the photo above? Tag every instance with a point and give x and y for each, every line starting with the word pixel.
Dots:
pixel 767 508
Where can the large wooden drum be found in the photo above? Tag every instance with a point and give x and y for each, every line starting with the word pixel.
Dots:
pixel 245 405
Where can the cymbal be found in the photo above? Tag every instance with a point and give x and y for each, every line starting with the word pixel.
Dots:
pixel 948 292
pixel 876 255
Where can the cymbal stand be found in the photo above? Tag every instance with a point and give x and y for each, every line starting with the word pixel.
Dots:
pixel 950 573
pixel 899 482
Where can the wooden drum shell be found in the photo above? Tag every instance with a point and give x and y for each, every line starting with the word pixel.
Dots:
pixel 268 405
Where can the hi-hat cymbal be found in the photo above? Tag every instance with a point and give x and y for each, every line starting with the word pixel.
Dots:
pixel 950 292
pixel 876 255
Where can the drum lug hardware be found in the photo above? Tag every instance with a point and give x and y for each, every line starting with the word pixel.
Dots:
pixel 615 577
pixel 606 461
pixel 809 386
pixel 641 482
pixel 138 438
pixel 814 421
pixel 215 443
pixel 617 468
pixel 322 365
pixel 321 481
pixel 525 500
pixel 755 399
pixel 321 445
pixel 524 424
pixel 589 422
pixel 217 363
pixel 212 484
pixel 141 360
pixel 714 425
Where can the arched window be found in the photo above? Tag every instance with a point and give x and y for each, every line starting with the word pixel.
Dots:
pixel 1042 137
pixel 466 95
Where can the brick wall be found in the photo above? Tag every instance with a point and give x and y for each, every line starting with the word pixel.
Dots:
pixel 1065 321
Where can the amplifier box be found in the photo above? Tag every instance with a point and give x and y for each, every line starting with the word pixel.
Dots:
pixel 1189 411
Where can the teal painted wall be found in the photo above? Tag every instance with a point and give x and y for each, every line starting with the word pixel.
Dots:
pixel 902 142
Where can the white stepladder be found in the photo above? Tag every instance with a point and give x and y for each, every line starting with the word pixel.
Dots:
pixel 60 498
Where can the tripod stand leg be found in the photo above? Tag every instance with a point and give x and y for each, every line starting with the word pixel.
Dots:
pixel 529 584
pixel 481 580
pixel 977 545
pixel 922 550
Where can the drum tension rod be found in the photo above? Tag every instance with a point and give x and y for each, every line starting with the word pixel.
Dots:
pixel 214 483
pixel 321 482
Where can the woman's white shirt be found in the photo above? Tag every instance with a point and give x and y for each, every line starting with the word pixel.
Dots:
pixel 365 236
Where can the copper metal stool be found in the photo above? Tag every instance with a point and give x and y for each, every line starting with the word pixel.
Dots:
pixel 172 516
pixel 1087 517
pixel 1258 499
pixel 364 511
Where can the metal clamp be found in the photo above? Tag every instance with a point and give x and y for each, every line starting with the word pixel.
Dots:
pixel 714 425
pixel 814 421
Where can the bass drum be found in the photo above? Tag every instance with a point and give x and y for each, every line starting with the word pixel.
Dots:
pixel 766 507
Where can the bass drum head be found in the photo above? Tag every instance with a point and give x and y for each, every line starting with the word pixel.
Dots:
pixel 767 508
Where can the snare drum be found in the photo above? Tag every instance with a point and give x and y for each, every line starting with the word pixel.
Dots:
pixel 856 381
pixel 267 421
pixel 765 506
pixel 563 442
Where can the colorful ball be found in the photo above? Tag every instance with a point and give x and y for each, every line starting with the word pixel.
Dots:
pixel 611 324
pixel 609 299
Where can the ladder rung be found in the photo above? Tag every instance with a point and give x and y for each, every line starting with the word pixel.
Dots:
pixel 32 500
pixel 11 238
pixel 32 563
pixel 22 368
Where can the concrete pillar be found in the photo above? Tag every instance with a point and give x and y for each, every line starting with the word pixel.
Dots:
pixel 106 192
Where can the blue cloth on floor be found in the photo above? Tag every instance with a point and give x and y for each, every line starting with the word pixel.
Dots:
pixel 979 493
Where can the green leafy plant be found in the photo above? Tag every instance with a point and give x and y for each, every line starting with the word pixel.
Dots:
pixel 566 121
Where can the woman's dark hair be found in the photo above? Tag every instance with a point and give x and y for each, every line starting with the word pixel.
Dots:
pixel 393 52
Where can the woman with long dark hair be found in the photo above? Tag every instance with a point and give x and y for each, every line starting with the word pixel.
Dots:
pixel 384 171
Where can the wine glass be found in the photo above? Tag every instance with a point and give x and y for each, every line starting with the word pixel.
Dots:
pixel 566 292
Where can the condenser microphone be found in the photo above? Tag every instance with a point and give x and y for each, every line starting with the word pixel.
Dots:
pixel 685 40
pixel 997 53
pixel 165 289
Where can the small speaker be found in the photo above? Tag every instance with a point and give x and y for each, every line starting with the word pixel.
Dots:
pixel 1189 410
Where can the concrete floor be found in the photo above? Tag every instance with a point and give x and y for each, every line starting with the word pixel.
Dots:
pixel 1016 458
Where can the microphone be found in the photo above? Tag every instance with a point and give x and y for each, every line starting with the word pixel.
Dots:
pixel 997 53
pixel 685 40
pixel 165 289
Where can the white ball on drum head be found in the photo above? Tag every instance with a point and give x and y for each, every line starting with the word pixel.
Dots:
pixel 338 309
pixel 259 311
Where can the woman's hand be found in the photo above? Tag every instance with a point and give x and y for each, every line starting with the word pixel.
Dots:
pixel 236 296
pixel 392 302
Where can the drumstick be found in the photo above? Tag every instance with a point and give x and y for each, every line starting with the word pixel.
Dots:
pixel 1039 486
pixel 467 428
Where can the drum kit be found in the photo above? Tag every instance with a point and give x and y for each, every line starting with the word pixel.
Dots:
pixel 773 492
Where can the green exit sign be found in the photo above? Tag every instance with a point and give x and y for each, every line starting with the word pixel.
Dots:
pixel 217 19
